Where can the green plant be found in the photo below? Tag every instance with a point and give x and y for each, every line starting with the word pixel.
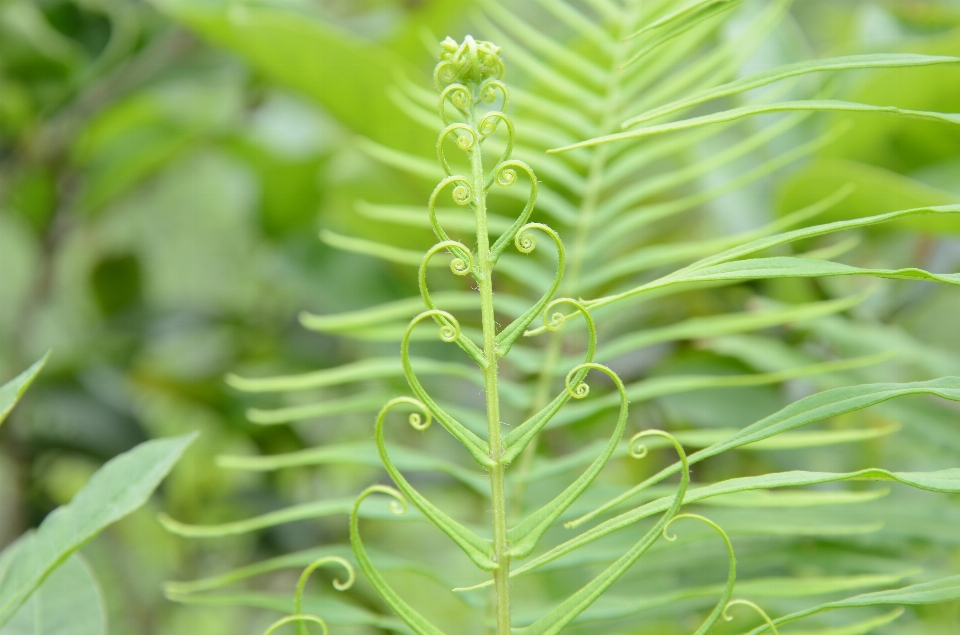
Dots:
pixel 608 220
pixel 45 586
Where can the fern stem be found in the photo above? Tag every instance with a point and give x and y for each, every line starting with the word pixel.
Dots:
pixel 490 376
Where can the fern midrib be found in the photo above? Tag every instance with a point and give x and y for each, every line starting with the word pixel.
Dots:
pixel 589 204
pixel 598 164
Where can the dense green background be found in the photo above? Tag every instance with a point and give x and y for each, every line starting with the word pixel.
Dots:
pixel 161 193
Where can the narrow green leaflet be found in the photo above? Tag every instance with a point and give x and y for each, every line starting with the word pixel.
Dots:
pixel 935 592
pixel 944 481
pixel 335 611
pixel 360 453
pixel 11 391
pixel 818 407
pixel 69 602
pixel 121 486
pixel 824 105
pixel 757 80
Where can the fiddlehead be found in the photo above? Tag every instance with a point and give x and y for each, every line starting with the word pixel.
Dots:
pixel 404 611
pixel 476 548
pixel 472 62
pixel 755 607
pixel 721 607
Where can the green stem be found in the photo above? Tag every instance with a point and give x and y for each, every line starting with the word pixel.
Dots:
pixel 490 375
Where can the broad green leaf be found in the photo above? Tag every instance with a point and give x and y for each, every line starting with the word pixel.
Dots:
pixel 69 602
pixel 11 391
pixel 285 45
pixel 935 592
pixel 757 80
pixel 121 486
pixel 748 111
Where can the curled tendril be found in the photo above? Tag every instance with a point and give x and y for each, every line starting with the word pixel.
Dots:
pixel 488 93
pixel 639 451
pixel 458 95
pixel 581 390
pixel 300 620
pixel 755 607
pixel 417 420
pixel 449 330
pixel 524 241
pixel 337 584
pixel 557 320
pixel 488 125
pixel 724 602
pixel 505 174
pixel 464 141
pixel 462 195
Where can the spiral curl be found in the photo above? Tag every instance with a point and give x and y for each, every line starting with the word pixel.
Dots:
pixel 524 241
pixel 418 420
pixel 300 620
pixel 464 141
pixel 755 607
pixel 449 331
pixel 488 93
pixel 472 62
pixel 458 95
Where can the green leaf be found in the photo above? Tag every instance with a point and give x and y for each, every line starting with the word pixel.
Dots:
pixel 935 592
pixel 12 391
pixel 285 45
pixel 734 114
pixel 876 190
pixel 335 611
pixel 757 80
pixel 121 486
pixel 294 513
pixel 69 602
pixel 679 22
pixel 944 481
pixel 818 407
pixel 372 368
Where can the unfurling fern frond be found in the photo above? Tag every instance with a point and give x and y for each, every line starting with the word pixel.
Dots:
pixel 602 146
